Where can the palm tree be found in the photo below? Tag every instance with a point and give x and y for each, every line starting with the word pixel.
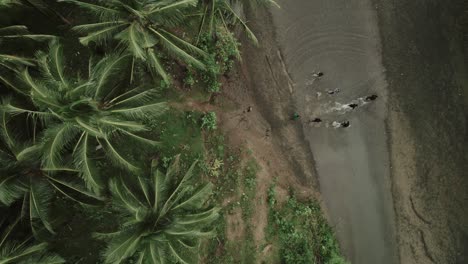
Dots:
pixel 162 218
pixel 4 3
pixel 22 179
pixel 225 14
pixel 83 116
pixel 39 5
pixel 12 252
pixel 12 62
pixel 146 28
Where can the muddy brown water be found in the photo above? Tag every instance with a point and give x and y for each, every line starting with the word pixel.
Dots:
pixel 341 39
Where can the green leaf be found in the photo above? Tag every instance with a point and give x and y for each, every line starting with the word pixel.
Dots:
pixel 118 159
pixel 196 200
pixel 56 58
pixel 133 37
pixel 11 189
pixel 57 184
pixel 86 166
pixel 101 35
pixel 121 248
pixel 105 70
pixel 35 249
pixel 154 109
pixel 40 196
pixel 56 139
pixel 155 66
pixel 176 51
pixel 96 9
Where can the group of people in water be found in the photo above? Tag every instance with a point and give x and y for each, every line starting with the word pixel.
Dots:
pixel 350 106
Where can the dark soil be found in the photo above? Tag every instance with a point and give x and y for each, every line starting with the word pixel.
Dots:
pixel 423 52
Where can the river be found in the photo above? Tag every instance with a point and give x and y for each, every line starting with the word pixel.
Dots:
pixel 341 39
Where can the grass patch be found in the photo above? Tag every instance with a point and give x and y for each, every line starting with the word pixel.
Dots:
pixel 301 232
pixel 238 181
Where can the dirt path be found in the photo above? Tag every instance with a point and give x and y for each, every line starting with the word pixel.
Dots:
pixel 251 131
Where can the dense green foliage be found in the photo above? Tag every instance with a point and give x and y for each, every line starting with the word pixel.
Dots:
pixel 163 217
pixel 13 62
pixel 304 235
pixel 23 252
pixel 91 153
pixel 83 114
pixel 146 28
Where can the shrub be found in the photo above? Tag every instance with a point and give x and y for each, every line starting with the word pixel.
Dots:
pixel 209 121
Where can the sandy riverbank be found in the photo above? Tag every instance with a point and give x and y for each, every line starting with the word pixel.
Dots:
pixel 425 61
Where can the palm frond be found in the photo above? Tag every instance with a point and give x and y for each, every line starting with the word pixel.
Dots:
pixel 176 51
pixel 196 200
pixel 6 3
pixel 134 38
pixel 101 35
pixel 123 197
pixel 5 134
pixel 89 127
pixel 179 191
pixel 117 158
pixel 248 31
pixel 155 66
pixel 56 62
pixel 46 258
pixel 138 99
pixel 140 139
pixel 20 31
pixel 149 110
pixel 14 254
pixel 159 189
pixel 11 188
pixel 154 234
pixel 121 247
pixel 56 139
pixel 11 84
pixel 88 28
pixel 40 196
pixel 99 10
pixel 75 187
pixel 177 254
pixel 36 37
pixel 13 30
pixel 86 165
pixel 116 123
pixel 104 72
pixel 29 154
pixel 177 5
pixel 16 110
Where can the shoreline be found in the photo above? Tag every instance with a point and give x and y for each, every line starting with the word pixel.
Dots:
pixel 421 236
pixel 342 39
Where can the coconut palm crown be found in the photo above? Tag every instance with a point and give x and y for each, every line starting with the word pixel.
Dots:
pixel 145 27
pixel 226 13
pixel 14 252
pixel 13 62
pixel 83 116
pixel 22 179
pixel 163 218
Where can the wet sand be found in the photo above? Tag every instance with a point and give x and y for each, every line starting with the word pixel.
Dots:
pixel 341 38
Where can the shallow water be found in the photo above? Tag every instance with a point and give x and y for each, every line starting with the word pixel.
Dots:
pixel 341 39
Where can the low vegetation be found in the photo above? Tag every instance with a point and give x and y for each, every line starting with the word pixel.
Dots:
pixel 97 162
pixel 301 232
